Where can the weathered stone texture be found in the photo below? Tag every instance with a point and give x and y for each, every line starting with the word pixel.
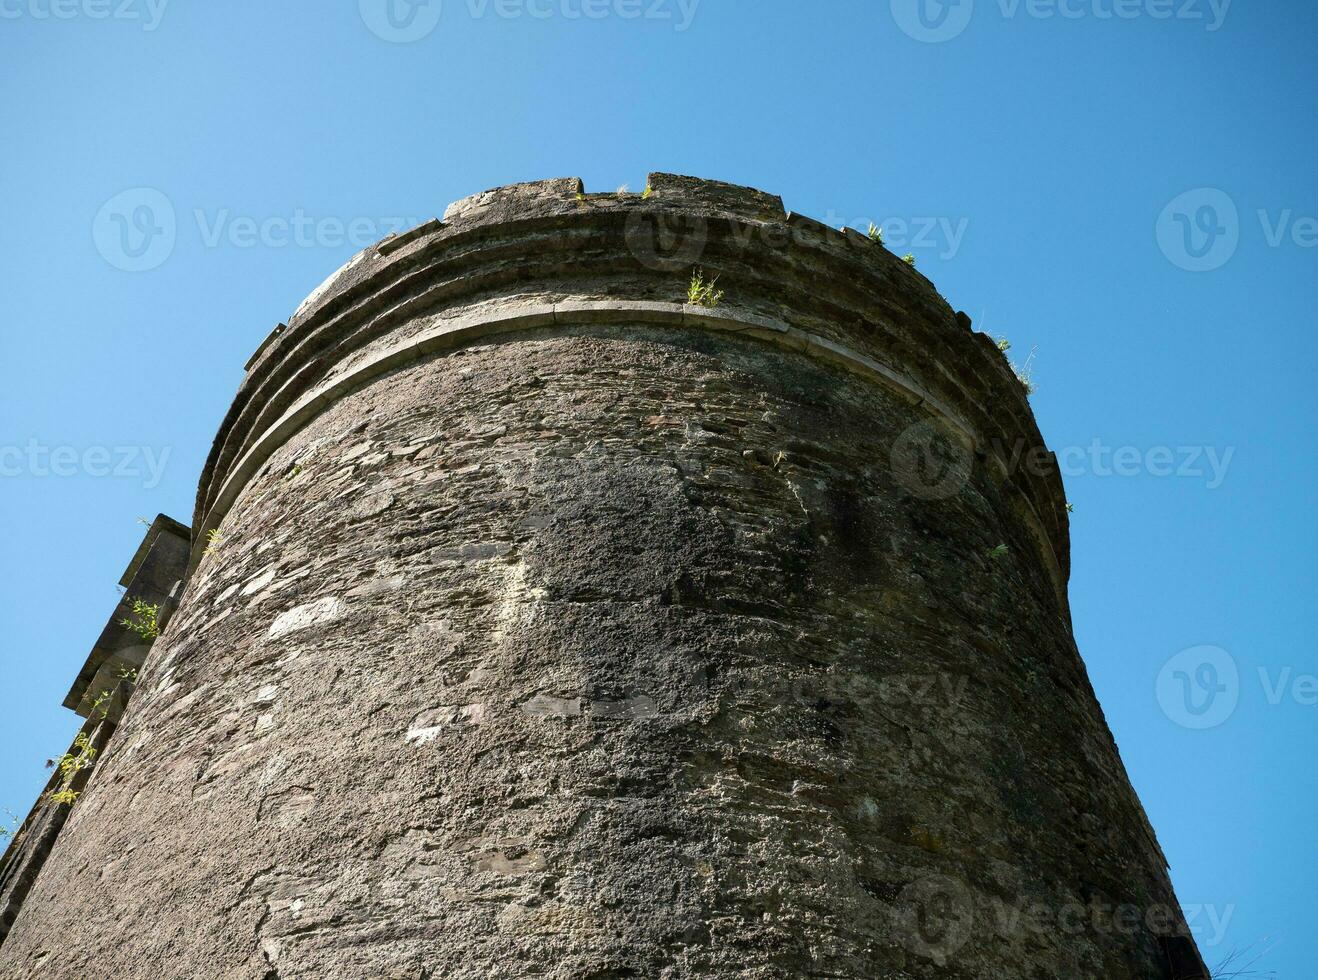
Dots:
pixel 608 650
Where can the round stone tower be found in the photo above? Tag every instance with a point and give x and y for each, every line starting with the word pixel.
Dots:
pixel 601 586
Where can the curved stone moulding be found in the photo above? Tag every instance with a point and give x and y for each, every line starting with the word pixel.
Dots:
pixel 453 333
pixel 586 255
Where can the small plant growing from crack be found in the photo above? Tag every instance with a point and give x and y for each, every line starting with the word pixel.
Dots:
pixel 102 702
pixel 214 538
pixel 144 620
pixel 647 193
pixel 622 191
pixel 875 233
pixel 101 706
pixel 702 293
pixel 998 553
pixel 909 259
pixel 1024 372
pixel 69 765
pixel 1232 967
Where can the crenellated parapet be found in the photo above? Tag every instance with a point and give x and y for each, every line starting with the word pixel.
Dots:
pixel 542 253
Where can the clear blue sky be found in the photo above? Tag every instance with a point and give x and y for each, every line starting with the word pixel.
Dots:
pixel 1052 152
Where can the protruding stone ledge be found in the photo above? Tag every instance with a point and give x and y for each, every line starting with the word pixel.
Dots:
pixel 806 223
pixel 548 240
pixel 270 338
pixel 394 242
pixel 448 334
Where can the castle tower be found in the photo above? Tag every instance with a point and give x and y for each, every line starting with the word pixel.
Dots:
pixel 558 623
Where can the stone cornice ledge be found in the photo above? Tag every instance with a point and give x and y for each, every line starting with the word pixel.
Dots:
pixel 451 333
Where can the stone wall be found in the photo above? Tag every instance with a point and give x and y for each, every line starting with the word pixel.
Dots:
pixel 99 694
pixel 556 627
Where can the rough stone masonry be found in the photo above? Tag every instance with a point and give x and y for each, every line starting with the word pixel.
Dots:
pixel 556 626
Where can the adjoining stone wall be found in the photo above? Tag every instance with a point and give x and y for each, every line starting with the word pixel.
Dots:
pixel 100 693
pixel 552 636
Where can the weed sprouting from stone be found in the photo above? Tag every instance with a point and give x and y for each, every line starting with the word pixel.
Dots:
pixel 1024 372
pixel 702 293
pixel 144 620
pixel 69 765
pixel 214 537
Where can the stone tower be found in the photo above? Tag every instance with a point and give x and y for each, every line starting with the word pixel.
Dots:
pixel 556 625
